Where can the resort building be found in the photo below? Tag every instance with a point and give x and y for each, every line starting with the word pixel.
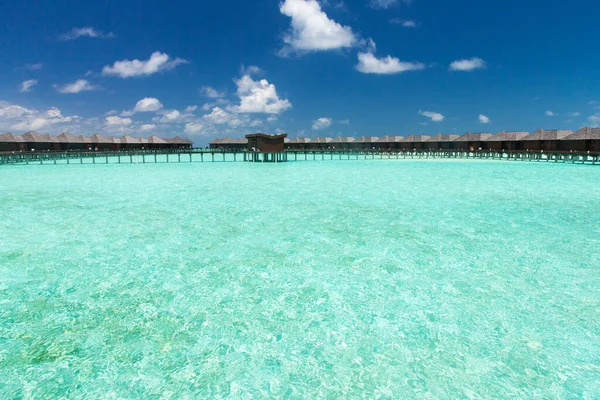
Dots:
pixel 441 141
pixel 33 141
pixel 471 141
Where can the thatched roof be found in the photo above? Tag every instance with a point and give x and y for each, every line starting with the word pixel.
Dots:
pixel 503 136
pixel 585 134
pixel 178 140
pixel 34 137
pixel 11 138
pixel 415 139
pixel 321 140
pixel 473 137
pixel 156 140
pixel 228 140
pixel 343 139
pixel 144 140
pixel 390 139
pixel 443 137
pixel 100 139
pixel 299 140
pixel 66 137
pixel 367 139
pixel 553 134
pixel 129 140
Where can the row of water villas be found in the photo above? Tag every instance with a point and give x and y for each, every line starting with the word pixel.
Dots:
pixel 584 140
pixel 33 141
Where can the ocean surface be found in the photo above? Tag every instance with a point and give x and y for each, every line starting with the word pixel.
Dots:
pixel 322 279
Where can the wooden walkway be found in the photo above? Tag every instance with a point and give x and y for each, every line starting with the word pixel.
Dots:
pixel 203 155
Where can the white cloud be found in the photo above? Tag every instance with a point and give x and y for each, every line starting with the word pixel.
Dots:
pixel 321 123
pixel 406 23
pixel 190 109
pixel 250 70
pixel 272 118
pixel 345 122
pixel 157 62
pixel 76 33
pixel 117 121
pixel 111 112
pixel 435 117
pixel 193 128
pixel 218 116
pixel 148 104
pixel 258 97
pixel 483 119
pixel 594 120
pixel 551 114
pixel 574 114
pixel 147 127
pixel 369 64
pixel 311 28
pixel 19 118
pixel 382 3
pixel 80 85
pixel 168 116
pixel 467 65
pixel 34 67
pixel 211 92
pixel 27 85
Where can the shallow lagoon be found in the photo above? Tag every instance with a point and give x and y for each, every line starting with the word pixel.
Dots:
pixel 343 279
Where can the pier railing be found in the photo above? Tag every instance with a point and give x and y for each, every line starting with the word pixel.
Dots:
pixel 225 155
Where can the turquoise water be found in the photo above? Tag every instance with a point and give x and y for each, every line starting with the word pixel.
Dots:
pixel 344 279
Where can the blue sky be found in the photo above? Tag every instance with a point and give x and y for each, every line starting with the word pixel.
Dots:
pixel 309 68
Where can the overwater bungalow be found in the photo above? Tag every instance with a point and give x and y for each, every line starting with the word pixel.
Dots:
pixel 342 142
pixel 441 141
pixel 67 141
pixel 100 142
pixel 585 139
pixel 471 141
pixel 229 143
pixel 36 142
pixel 544 140
pixel 180 143
pixel 318 143
pixel 12 142
pixel 154 142
pixel 505 141
pixel 297 143
pixel 130 143
pixel 414 142
pixel 365 142
pixel 389 142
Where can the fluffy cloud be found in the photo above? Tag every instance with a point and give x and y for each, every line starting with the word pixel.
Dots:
pixel 190 109
pixel 80 85
pixel 147 127
pixel 157 62
pixel 574 114
pixel 148 104
pixel 551 114
pixel 435 117
pixel 20 118
pixel 321 123
pixel 594 120
pixel 369 64
pixel 211 92
pixel 483 119
pixel 117 121
pixel 467 65
pixel 218 116
pixel 258 97
pixel 193 128
pixel 168 117
pixel 76 33
pixel 311 28
pixel 272 118
pixel 27 85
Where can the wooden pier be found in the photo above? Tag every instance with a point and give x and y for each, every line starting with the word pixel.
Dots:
pixel 204 155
